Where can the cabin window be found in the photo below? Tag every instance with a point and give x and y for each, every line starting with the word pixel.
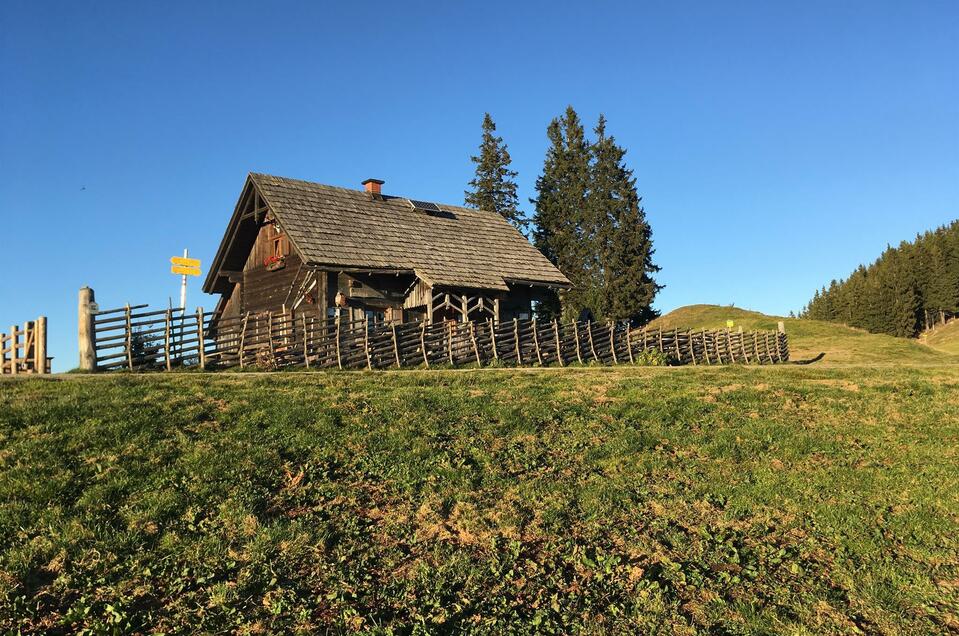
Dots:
pixel 278 241
pixel 375 318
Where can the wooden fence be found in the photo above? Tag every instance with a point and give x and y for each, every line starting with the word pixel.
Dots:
pixel 137 338
pixel 24 350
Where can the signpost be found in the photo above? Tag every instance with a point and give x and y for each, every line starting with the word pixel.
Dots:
pixel 184 266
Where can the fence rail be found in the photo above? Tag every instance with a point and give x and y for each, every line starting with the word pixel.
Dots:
pixel 136 340
pixel 24 350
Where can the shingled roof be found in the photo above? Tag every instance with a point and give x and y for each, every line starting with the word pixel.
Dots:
pixel 459 247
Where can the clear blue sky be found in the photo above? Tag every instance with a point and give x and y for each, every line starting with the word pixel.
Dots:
pixel 777 144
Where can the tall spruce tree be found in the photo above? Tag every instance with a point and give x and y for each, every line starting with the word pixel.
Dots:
pixel 493 187
pixel 622 266
pixel 561 229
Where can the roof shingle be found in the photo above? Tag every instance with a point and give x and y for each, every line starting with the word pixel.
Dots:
pixel 347 228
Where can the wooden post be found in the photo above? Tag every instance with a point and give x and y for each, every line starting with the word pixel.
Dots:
pixel 15 350
pixel 592 349
pixel 429 305
pixel 449 340
pixel 780 332
pixel 396 347
pixel 366 343
pixel 689 344
pixel 479 362
pixel 201 337
pixel 612 341
pixel 426 358
pixel 706 348
pixel 86 330
pixel 306 341
pixel 246 319
pixel 559 346
pixel 729 349
pixel 166 338
pixel 579 356
pixel 496 309
pixel 269 335
pixel 129 338
pixel 742 344
pixel 40 349
pixel 519 354
pixel 339 353
pixel 492 333
pixel 662 349
pixel 466 308
pixel 539 356
pixel 629 343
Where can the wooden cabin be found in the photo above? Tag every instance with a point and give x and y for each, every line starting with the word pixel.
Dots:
pixel 325 251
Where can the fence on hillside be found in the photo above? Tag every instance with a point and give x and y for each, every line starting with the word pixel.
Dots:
pixel 24 350
pixel 136 338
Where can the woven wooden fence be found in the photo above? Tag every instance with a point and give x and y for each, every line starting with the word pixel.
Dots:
pixel 24 350
pixel 136 338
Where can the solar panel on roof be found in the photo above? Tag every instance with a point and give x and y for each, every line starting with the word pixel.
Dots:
pixel 424 206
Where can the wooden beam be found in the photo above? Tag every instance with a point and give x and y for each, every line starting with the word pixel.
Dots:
pixel 86 331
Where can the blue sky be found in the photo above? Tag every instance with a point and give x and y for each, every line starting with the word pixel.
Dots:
pixel 776 145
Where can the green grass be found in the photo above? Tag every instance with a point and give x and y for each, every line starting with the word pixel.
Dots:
pixel 944 338
pixel 807 338
pixel 736 500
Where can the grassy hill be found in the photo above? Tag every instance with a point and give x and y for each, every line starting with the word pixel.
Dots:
pixel 944 338
pixel 594 500
pixel 807 338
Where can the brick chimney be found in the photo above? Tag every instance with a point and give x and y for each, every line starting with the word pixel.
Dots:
pixel 374 187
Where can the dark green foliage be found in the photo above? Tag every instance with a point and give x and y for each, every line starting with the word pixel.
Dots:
pixel 590 223
pixel 624 238
pixel 494 185
pixel 899 293
pixel 562 231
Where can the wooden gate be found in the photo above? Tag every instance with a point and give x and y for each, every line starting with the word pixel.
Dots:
pixel 24 350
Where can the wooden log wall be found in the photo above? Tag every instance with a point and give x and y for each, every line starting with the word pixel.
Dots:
pixel 24 349
pixel 135 338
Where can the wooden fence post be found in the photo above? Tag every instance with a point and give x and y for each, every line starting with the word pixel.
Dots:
pixel 201 337
pixel 396 347
pixel 479 361
pixel 366 344
pixel 592 348
pixel 706 348
pixel 559 345
pixel 579 356
pixel 612 341
pixel 129 338
pixel 239 352
pixel 449 340
pixel 426 358
pixel 306 341
pixel 40 349
pixel 166 338
pixel 539 356
pixel 519 354
pixel 629 343
pixel 492 332
pixel 15 350
pixel 339 354
pixel 86 330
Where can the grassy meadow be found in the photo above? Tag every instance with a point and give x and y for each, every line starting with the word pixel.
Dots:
pixel 944 337
pixel 739 500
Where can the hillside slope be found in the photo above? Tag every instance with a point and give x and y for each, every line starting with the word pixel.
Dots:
pixel 945 338
pixel 807 338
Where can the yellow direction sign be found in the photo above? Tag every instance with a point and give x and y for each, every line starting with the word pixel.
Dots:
pixel 186 271
pixel 184 261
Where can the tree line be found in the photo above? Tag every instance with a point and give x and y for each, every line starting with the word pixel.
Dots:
pixel 588 219
pixel 903 290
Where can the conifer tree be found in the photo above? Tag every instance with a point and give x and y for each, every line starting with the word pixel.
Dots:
pixel 560 216
pixel 622 265
pixel 897 292
pixel 493 187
